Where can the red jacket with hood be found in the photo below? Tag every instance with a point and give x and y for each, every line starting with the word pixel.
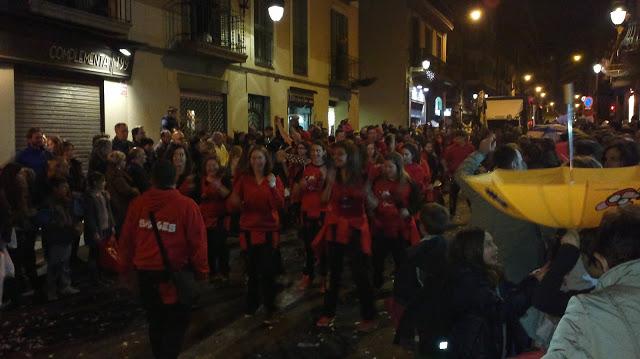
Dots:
pixel 181 228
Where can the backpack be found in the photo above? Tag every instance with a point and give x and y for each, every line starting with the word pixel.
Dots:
pixel 420 304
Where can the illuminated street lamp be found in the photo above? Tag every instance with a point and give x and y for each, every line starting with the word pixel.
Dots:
pixel 475 15
pixel 538 88
pixel 552 104
pixel 527 77
pixel 597 68
pixel 475 96
pixel 576 96
pixel 543 95
pixel 577 58
pixel 426 64
pixel 276 10
pixel 618 15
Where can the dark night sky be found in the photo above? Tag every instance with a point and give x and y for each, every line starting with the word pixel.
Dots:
pixel 545 28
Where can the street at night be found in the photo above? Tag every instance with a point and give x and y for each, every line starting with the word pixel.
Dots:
pixel 287 179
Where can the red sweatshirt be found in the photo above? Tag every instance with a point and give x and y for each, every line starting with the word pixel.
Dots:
pixel 455 154
pixel 418 176
pixel 393 197
pixel 345 215
pixel 312 193
pixel 260 206
pixel 212 205
pixel 181 228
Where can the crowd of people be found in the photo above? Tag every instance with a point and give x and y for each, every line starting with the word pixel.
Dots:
pixel 497 288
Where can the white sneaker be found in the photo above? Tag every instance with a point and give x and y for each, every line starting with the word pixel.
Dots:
pixel 69 291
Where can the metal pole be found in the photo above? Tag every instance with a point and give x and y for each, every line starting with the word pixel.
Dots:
pixel 595 99
pixel 568 99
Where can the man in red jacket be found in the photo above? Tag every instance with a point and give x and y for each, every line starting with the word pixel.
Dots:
pixel 453 156
pixel 184 236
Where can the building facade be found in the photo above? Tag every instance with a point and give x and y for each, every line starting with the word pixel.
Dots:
pixel 396 38
pixel 223 63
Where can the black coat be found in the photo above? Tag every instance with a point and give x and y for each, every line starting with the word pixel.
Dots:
pixel 139 177
pixel 485 317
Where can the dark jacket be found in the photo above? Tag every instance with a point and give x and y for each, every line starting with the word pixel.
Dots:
pixel 483 314
pixel 35 158
pixel 91 224
pixel 139 177
pixel 422 287
pixel 97 164
pixel 58 227
pixel 122 191
pixel 168 123
pixel 121 145
pixel 548 297
pixel 76 179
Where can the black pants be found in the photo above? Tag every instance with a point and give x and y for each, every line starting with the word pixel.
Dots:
pixel 25 261
pixel 168 323
pixel 261 269
pixel 382 245
pixel 218 250
pixel 453 197
pixel 359 270
pixel 308 232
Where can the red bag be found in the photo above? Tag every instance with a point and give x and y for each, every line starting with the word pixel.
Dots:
pixel 108 258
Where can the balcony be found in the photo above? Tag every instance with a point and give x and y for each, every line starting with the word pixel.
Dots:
pixel 345 71
pixel 204 27
pixel 110 16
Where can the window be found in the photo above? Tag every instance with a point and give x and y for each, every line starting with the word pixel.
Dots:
pixel 203 113
pixel 440 46
pixel 262 34
pixel 300 40
pixel 339 47
pixel 258 112
pixel 428 41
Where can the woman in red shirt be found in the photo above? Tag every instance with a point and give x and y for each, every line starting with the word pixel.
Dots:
pixel 346 233
pixel 394 200
pixel 214 189
pixel 411 157
pixel 309 190
pixel 259 195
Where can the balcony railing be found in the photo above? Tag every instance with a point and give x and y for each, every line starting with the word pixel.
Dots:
pixel 345 70
pixel 205 27
pixel 112 16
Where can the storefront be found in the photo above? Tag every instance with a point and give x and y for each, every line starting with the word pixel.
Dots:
pixel 58 83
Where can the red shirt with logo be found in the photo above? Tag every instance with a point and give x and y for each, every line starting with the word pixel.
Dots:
pixel 311 201
pixel 181 227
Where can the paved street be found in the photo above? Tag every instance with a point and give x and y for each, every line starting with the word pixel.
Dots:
pixel 107 322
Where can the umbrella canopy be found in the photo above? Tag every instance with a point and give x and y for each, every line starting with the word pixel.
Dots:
pixel 559 197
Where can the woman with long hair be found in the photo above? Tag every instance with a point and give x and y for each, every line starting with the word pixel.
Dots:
pixel 309 190
pixel 346 233
pixel 259 195
pixel 179 157
pixel 411 157
pixel 214 188
pixel 484 310
pixel 120 187
pixel 394 201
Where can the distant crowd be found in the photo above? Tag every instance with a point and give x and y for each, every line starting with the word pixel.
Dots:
pixel 497 288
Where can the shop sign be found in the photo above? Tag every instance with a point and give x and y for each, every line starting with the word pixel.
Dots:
pixel 82 56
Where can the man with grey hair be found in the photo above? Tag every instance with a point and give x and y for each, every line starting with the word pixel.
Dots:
pixel 220 148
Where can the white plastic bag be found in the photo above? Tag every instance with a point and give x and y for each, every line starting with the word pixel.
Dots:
pixel 6 269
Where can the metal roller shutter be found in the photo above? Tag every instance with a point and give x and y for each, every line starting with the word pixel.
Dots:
pixel 63 107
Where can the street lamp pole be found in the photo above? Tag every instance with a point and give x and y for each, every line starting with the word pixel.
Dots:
pixel 597 68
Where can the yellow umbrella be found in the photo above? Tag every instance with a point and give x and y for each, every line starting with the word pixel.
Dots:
pixel 559 197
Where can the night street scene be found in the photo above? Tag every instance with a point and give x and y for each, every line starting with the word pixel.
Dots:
pixel 300 179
